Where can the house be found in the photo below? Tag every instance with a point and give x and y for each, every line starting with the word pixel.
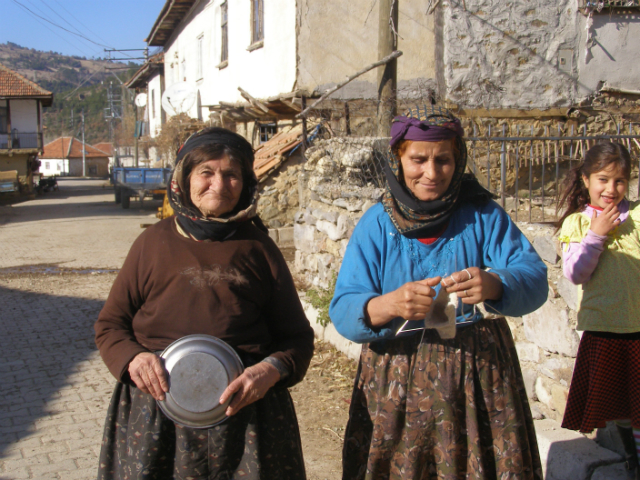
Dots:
pixel 106 147
pixel 21 103
pixel 252 63
pixel 63 157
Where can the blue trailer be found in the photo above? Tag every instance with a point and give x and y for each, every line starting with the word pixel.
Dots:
pixel 139 182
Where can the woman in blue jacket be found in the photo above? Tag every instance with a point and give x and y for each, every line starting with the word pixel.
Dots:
pixel 427 403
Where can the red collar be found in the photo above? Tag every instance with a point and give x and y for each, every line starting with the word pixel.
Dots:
pixel 430 240
pixel 596 208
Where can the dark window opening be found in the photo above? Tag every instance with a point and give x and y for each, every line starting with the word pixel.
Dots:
pixel 267 131
pixel 257 21
pixel 224 52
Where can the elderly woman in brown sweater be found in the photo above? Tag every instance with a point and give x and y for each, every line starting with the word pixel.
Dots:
pixel 212 269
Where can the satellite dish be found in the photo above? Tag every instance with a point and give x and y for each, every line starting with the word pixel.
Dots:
pixel 141 100
pixel 178 98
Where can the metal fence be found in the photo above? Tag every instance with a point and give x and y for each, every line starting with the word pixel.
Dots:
pixel 525 171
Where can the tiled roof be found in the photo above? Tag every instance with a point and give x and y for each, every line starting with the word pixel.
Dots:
pixel 69 147
pixel 272 153
pixel 170 16
pixel 106 147
pixel 12 84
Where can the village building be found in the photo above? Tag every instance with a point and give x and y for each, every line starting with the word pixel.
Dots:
pixel 64 157
pixel 21 103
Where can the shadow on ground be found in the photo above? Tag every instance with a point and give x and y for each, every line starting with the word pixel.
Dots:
pixel 46 341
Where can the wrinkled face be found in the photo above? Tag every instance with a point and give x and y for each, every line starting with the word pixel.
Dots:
pixel 607 186
pixel 428 168
pixel 216 186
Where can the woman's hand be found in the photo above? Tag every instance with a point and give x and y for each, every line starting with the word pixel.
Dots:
pixel 249 387
pixel 602 223
pixel 411 301
pixel 474 285
pixel 147 373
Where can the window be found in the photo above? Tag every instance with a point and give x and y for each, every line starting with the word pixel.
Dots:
pixel 93 170
pixel 267 131
pixel 59 167
pixel 257 21
pixel 153 104
pixel 224 44
pixel 200 57
pixel 46 165
pixel 3 119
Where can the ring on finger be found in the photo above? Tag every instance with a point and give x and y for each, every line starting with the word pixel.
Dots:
pixel 468 273
pixel 466 294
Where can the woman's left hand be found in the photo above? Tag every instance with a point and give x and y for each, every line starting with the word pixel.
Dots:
pixel 474 285
pixel 249 387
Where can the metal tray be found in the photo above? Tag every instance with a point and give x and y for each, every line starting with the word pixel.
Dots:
pixel 199 368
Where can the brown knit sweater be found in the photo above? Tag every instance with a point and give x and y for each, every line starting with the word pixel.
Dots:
pixel 239 290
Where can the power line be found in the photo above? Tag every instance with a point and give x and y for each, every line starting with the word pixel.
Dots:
pixel 56 34
pixel 59 26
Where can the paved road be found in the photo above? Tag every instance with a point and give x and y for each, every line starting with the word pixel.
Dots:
pixel 55 256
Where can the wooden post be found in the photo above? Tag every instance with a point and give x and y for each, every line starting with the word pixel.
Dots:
pixel 347 118
pixel 304 125
pixel 9 133
pixel 387 77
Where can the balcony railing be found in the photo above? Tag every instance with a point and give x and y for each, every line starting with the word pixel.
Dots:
pixel 615 4
pixel 20 140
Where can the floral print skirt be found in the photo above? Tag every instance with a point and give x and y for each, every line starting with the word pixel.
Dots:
pixel 261 442
pixel 426 408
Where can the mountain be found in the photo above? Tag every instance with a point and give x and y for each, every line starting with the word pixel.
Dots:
pixel 77 83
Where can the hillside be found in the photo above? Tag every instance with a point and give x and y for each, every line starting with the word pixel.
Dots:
pixel 76 83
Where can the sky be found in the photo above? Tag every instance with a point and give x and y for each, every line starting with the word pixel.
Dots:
pixel 96 25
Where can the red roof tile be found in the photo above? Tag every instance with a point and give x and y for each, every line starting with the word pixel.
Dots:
pixel 12 84
pixel 69 147
pixel 106 147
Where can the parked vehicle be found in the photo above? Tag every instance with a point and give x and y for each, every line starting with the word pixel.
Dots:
pixel 139 182
pixel 47 184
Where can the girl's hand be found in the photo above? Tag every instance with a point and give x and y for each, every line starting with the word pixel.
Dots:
pixel 474 285
pixel 607 220
pixel 411 301
pixel 249 387
pixel 147 373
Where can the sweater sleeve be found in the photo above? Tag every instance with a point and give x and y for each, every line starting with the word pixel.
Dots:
pixel 358 282
pixel 114 332
pixel 292 334
pixel 581 259
pixel 508 253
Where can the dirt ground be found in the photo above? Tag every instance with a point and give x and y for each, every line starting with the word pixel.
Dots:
pixel 321 400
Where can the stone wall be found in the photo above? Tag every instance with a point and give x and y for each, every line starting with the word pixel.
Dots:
pixel 330 207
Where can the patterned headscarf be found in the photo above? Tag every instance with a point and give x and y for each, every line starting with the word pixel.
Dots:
pixel 193 221
pixel 412 217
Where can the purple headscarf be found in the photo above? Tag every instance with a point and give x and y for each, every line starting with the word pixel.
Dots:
pixel 411 128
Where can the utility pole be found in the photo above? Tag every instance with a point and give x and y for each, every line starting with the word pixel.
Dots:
pixel 84 162
pixel 136 133
pixel 387 77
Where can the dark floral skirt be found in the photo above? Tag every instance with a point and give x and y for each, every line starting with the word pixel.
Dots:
pixel 261 442
pixel 441 409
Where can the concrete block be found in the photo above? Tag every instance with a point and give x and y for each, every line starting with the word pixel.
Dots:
pixel 273 233
pixel 616 471
pixel 569 292
pixel 304 238
pixel 545 245
pixel 567 455
pixel 285 236
pixel 549 328
pixel 529 376
pixel 528 352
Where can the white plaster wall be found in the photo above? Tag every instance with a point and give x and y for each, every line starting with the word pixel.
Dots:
pixel 24 115
pixel 154 107
pixel 263 72
pixel 505 54
pixel 56 167
pixel 613 58
pixel 338 38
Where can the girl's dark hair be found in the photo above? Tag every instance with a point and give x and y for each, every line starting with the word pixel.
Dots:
pixel 216 151
pixel 576 195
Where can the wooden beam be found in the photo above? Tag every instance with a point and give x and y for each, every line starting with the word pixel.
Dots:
pixel 291 105
pixel 253 101
pixel 379 63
